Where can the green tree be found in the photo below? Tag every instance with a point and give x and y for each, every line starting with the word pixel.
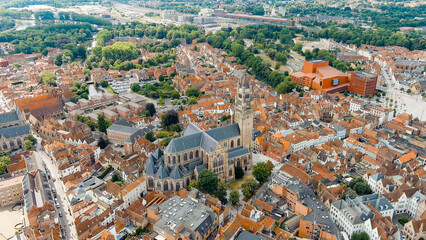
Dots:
pixel 104 84
pixel 351 194
pixel 234 197
pixel 221 192
pixel 193 92
pixel 161 78
pixel 403 220
pixel 192 101
pixel 4 162
pixel 103 123
pixel 161 101
pixel 47 77
pixel 151 108
pixel 194 184
pixel 260 172
pixel 239 172
pixel 298 47
pixel 32 139
pixel 170 118
pixel 28 145
pixel 208 181
pixel 360 236
pixel 135 87
pixel 150 136
pixel 359 186
pixel 249 188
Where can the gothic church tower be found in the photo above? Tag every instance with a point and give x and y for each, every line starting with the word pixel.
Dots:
pixel 244 112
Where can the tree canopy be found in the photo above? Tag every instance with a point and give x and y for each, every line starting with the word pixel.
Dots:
pixel 208 181
pixel 249 188
pixel 47 77
pixel 260 172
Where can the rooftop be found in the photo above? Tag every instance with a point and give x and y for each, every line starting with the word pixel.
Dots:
pixel 177 212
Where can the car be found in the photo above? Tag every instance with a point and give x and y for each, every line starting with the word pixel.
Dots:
pixel 53 191
pixel 60 214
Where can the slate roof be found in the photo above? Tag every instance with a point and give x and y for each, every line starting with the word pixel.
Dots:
pixel 176 173
pixel 244 235
pixel 124 129
pixel 225 132
pixel 184 143
pixel 201 167
pixel 191 129
pixel 15 131
pixel 237 152
pixel 208 140
pixel 124 122
pixel 8 117
pixel 161 173
pixel 150 167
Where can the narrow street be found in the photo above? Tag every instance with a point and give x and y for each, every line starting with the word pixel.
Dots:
pixel 66 221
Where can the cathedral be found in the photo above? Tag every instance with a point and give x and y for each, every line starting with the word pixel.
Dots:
pixel 219 150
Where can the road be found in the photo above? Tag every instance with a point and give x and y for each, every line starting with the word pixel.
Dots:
pixel 67 220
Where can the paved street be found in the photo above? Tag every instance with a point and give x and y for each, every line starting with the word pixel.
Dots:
pixel 411 104
pixel 66 221
pixel 262 158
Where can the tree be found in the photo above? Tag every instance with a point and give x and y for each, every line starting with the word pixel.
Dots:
pixel 150 136
pixel 234 197
pixel 193 184
pixel 360 236
pixel 28 145
pixel 47 77
pixel 208 181
pixel 104 84
pixel 221 192
pixel 161 78
pixel 360 187
pixel 161 101
pixel 192 101
pixel 193 92
pixel 351 194
pixel 116 177
pixel 135 87
pixel 403 220
pixel 298 47
pixel 4 162
pixel 103 123
pixel 260 172
pixel 269 167
pixel 170 118
pixel 249 188
pixel 32 139
pixel 239 172
pixel 151 108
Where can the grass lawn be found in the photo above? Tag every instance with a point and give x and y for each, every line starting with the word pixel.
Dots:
pixel 236 185
pixel 283 67
pixel 110 90
pixel 164 133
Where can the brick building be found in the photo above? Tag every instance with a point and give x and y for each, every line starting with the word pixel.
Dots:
pixel 363 83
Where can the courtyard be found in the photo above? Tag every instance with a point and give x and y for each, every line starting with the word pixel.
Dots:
pixel 9 218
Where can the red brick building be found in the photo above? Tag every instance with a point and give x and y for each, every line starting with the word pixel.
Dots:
pixel 363 83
